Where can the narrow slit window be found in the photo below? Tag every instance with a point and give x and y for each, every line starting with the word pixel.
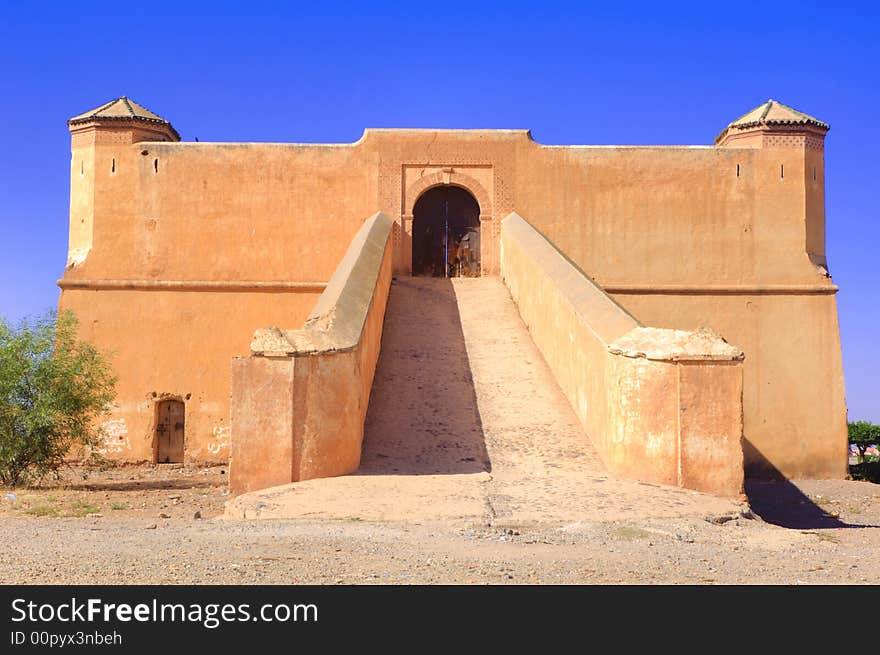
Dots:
pixel 113 165
pixel 782 171
pixel 737 170
pixel 814 173
pixel 155 165
pixel 82 168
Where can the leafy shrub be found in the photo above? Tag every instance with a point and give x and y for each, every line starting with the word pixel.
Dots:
pixel 53 391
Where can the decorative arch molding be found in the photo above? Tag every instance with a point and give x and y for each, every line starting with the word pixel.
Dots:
pixel 449 178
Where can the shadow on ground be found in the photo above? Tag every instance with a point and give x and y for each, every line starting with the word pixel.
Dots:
pixel 136 485
pixel 779 501
pixel 423 416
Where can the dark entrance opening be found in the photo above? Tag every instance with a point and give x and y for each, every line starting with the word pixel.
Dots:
pixel 446 233
pixel 169 431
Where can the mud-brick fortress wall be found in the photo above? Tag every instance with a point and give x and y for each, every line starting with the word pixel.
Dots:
pixel 179 251
pixel 188 249
pixel 726 237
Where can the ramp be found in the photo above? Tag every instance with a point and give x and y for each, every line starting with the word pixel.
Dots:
pixel 466 422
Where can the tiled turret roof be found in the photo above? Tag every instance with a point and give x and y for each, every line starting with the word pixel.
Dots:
pixel 771 114
pixel 775 113
pixel 121 109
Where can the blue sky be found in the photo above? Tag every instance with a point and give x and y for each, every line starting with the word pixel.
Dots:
pixel 610 73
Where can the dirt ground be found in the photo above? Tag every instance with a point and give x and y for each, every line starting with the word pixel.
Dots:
pixel 833 537
pixel 505 489
pixel 163 492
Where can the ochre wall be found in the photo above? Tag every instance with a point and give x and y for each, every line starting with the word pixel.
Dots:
pixel 176 345
pixel 226 212
pixel 633 218
pixel 670 215
pixel 194 213
pixel 732 252
pixel 793 391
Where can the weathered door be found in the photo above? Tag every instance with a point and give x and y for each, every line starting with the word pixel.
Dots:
pixel 169 431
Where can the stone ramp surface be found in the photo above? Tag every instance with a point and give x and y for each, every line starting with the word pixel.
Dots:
pixel 467 423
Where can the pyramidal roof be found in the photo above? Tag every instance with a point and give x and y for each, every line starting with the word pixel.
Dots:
pixel 121 109
pixel 775 113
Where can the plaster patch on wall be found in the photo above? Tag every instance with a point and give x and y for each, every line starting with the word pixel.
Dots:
pixel 656 444
pixel 116 438
pixel 76 256
pixel 221 439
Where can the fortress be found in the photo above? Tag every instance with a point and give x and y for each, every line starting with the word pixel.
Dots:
pixel 679 294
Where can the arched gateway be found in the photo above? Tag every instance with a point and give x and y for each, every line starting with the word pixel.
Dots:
pixel 446 233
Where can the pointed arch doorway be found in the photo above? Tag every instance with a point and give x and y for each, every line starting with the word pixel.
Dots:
pixel 446 233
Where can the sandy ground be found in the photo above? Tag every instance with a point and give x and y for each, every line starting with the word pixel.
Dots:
pixel 474 471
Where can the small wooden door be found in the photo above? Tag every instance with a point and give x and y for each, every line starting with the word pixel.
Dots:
pixel 169 431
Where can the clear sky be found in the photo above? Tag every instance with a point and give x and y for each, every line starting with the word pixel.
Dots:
pixel 660 73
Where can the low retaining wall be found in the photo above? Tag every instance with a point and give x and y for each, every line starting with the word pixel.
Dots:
pixel 660 405
pixel 300 399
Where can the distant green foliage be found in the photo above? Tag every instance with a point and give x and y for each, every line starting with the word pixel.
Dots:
pixel 863 434
pixel 53 391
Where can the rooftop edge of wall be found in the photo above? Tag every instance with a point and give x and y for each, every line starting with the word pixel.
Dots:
pixel 501 134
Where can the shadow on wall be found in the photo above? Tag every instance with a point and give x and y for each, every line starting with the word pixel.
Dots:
pixel 778 501
pixel 423 417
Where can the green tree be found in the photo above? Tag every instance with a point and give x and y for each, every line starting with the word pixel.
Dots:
pixel 863 434
pixel 54 389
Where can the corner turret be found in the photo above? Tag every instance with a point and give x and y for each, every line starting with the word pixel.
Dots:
pixel 98 143
pixel 800 138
